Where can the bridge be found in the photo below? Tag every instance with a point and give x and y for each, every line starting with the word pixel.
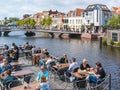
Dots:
pixel 51 32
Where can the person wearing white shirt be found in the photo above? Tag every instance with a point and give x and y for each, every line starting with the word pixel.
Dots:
pixel 73 65
pixel 50 59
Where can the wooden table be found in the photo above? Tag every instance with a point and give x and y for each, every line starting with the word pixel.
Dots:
pixel 31 86
pixel 80 73
pixel 27 51
pixel 61 66
pixel 22 73
pixel 16 63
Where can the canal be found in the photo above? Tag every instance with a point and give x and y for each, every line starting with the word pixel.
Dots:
pixel 79 48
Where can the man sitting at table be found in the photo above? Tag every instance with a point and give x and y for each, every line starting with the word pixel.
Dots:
pixel 73 66
pixel 8 78
pixel 6 66
pixel 49 61
pixel 84 65
pixel 96 74
pixel 64 59
pixel 42 72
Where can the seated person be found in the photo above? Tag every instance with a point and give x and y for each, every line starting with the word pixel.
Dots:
pixel 9 77
pixel 96 75
pixel 46 52
pixel 64 59
pixel 49 61
pixel 6 66
pixel 44 84
pixel 42 72
pixel 74 65
pixel 38 50
pixel 0 70
pixel 84 65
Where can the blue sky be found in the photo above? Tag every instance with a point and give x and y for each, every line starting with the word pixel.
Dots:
pixel 16 8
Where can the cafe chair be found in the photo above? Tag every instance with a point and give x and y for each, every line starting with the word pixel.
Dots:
pixel 80 84
pixel 50 65
pixel 57 75
pixel 29 79
pixel 5 85
pixel 14 83
pixel 100 84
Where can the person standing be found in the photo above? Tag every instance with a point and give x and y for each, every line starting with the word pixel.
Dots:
pixel 43 72
pixel 16 52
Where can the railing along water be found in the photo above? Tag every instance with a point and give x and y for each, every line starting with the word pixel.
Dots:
pixel 104 85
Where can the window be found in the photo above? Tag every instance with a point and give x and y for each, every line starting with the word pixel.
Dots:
pixel 115 36
pixel 88 21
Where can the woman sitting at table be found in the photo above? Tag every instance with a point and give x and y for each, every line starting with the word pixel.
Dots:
pixel 6 66
pixel 64 59
pixel 9 77
pixel 84 65
pixel 38 50
pixel 44 84
pixel 96 74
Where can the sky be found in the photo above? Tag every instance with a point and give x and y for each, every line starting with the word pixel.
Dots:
pixel 16 8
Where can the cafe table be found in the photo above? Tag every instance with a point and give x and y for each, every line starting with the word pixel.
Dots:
pixel 22 73
pixel 31 86
pixel 16 63
pixel 61 66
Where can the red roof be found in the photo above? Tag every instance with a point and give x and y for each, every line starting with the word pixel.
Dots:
pixel 117 9
pixel 78 11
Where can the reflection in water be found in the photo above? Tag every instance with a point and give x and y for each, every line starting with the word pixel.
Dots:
pixel 91 50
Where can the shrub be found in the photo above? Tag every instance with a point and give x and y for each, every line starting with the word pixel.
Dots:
pixel 118 44
pixel 104 42
pixel 111 42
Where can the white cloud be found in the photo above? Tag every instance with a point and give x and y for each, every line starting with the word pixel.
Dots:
pixel 9 8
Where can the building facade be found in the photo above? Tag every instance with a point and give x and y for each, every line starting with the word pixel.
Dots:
pixel 73 20
pixel 113 35
pixel 96 17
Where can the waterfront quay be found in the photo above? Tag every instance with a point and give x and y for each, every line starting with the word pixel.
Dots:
pixel 78 48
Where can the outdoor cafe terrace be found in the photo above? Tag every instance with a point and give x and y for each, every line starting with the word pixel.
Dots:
pixel 26 67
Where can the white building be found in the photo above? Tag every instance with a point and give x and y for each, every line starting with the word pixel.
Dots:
pixel 75 23
pixel 96 17
pixel 73 20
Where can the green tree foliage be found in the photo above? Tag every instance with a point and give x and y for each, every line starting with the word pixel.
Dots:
pixel 111 42
pixel 46 22
pixel 26 22
pixel 12 19
pixel 104 42
pixel 114 22
pixel 32 22
pixel 118 44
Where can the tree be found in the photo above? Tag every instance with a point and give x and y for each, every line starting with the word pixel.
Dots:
pixel 114 22
pixel 46 22
pixel 26 22
pixel 32 22
pixel 11 20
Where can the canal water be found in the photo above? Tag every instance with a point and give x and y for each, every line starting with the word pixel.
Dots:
pixel 78 48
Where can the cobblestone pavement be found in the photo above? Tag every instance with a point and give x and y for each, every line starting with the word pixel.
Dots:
pixel 54 84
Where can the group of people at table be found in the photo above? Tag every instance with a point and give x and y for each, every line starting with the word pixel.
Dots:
pixel 76 71
pixel 83 71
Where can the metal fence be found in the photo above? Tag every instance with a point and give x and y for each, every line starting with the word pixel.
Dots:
pixel 104 85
